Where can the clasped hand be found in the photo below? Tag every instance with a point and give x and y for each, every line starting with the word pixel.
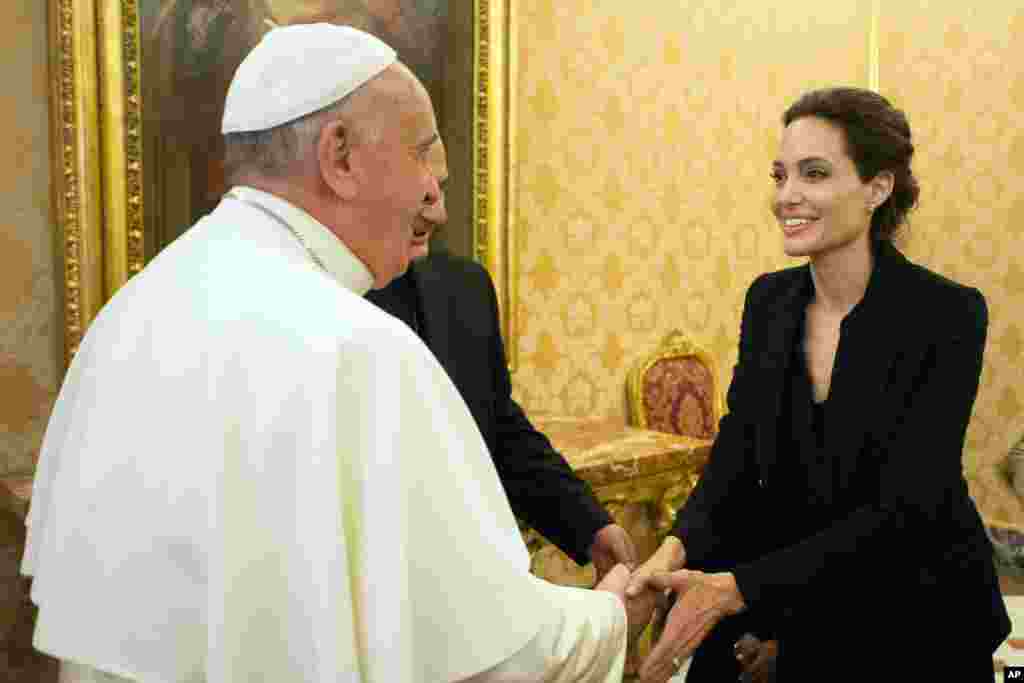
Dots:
pixel 702 600
pixel 639 608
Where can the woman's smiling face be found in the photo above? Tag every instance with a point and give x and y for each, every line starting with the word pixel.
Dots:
pixel 820 202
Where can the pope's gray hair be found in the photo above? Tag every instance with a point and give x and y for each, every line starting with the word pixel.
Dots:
pixel 276 151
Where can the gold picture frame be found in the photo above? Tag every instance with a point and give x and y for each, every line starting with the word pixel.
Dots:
pixel 494 209
pixel 75 130
pixel 98 159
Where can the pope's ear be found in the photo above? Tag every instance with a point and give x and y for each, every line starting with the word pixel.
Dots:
pixel 334 156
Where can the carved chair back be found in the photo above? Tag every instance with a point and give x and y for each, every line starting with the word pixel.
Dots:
pixel 675 389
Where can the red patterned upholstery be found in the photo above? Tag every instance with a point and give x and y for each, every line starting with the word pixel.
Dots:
pixel 675 390
pixel 678 397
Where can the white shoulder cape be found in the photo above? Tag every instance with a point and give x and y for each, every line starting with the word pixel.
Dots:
pixel 253 474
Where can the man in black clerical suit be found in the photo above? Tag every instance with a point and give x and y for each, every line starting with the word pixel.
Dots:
pixel 451 304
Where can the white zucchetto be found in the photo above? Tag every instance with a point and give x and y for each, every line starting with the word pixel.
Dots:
pixel 297 70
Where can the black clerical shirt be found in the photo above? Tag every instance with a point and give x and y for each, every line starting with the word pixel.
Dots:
pixel 401 299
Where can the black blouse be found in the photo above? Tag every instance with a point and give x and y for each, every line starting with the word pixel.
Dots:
pixel 803 458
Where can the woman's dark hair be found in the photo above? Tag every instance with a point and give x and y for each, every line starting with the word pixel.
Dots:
pixel 877 139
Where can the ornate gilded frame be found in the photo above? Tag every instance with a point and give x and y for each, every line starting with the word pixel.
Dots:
pixel 75 130
pixel 675 345
pixel 97 161
pixel 494 127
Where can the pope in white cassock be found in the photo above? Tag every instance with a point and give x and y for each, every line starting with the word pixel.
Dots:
pixel 252 473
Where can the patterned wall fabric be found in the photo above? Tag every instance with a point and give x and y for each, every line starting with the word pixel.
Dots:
pixel 644 150
pixel 957 72
pixel 30 327
pixel 643 182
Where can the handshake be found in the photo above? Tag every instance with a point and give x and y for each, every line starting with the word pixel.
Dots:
pixel 701 601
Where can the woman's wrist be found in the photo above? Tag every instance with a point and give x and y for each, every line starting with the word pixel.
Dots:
pixel 671 554
pixel 734 603
pixel 669 557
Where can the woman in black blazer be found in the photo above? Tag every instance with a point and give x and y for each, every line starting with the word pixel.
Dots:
pixel 833 514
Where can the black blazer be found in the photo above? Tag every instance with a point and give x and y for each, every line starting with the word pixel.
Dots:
pixel 460 325
pixel 900 534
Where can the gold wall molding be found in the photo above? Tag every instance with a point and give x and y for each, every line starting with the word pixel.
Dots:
pixel 75 162
pixel 494 144
pixel 121 132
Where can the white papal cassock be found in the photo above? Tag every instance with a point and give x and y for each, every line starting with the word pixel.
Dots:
pixel 253 474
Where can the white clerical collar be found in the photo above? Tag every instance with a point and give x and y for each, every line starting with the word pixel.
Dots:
pixel 332 254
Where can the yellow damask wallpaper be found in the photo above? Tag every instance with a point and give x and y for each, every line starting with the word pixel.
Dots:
pixel 957 73
pixel 644 146
pixel 30 327
pixel 645 139
pixel 645 143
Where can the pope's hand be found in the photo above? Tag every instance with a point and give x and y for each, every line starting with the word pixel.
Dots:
pixel 703 600
pixel 612 546
pixel 638 609
pixel 615 581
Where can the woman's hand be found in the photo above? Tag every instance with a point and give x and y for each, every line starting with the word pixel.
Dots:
pixel 703 600
pixel 669 557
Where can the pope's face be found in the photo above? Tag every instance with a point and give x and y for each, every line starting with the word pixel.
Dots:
pixel 434 215
pixel 404 166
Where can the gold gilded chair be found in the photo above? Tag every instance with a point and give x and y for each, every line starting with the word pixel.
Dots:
pixel 643 472
pixel 675 389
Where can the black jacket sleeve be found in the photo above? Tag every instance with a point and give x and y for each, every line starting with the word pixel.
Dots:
pixel 708 523
pixel 542 488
